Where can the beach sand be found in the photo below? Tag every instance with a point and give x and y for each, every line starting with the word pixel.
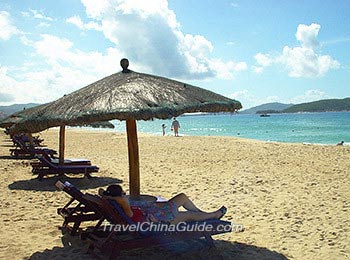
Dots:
pixel 292 199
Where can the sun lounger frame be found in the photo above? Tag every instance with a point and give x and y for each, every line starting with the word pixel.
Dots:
pixel 77 210
pixel 46 167
pixel 113 242
pixel 22 150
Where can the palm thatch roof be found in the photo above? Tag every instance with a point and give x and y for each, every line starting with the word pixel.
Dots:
pixel 9 121
pixel 18 116
pixel 126 95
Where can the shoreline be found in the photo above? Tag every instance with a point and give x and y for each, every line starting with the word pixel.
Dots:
pixel 99 130
pixel 292 199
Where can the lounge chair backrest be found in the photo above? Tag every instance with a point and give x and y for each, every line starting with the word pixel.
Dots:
pixel 120 211
pixel 45 160
pixel 106 208
pixel 69 188
pixel 19 143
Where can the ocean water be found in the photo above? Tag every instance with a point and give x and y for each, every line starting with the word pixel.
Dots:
pixel 319 128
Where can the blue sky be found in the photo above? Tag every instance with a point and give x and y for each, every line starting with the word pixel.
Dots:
pixel 253 51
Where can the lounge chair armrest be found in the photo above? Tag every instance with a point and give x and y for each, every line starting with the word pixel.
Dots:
pixel 60 185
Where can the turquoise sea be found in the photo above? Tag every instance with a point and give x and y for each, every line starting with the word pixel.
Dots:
pixel 319 128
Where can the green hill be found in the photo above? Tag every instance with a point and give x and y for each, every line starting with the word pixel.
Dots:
pixel 2 115
pixel 325 105
pixel 274 107
pixel 8 110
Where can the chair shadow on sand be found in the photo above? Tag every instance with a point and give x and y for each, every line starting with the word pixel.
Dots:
pixel 7 145
pixel 9 157
pixel 75 248
pixel 48 184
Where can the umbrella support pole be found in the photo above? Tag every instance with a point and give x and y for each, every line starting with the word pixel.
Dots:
pixel 133 151
pixel 61 145
pixel 30 136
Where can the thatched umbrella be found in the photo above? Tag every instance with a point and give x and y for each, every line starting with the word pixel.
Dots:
pixel 128 96
pixel 18 116
pixel 9 121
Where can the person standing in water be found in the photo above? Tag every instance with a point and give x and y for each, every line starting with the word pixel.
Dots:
pixel 163 128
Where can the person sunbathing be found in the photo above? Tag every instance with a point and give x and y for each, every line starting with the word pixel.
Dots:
pixel 167 211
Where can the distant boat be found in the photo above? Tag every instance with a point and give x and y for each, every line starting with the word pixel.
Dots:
pixel 264 115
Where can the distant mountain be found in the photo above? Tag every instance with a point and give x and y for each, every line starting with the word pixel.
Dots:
pixel 2 115
pixel 321 106
pixel 8 110
pixel 271 107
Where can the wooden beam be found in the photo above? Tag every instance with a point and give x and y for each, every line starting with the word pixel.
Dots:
pixel 62 144
pixel 133 152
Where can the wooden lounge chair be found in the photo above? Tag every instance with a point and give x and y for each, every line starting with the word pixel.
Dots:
pixel 22 149
pixel 47 167
pixel 77 210
pixel 111 240
pixel 25 140
pixel 54 160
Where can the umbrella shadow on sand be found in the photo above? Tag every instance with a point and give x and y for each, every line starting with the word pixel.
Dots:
pixel 48 184
pixel 75 248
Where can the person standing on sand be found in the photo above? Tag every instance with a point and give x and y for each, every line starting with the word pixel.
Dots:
pixel 175 126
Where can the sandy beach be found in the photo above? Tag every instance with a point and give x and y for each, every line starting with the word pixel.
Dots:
pixel 292 199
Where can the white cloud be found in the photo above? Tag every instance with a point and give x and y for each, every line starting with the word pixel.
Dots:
pixel 309 96
pixel 304 62
pixel 25 40
pixel 44 25
pixel 7 29
pixel 224 69
pixel 245 97
pixel 96 9
pixel 60 51
pixel 13 90
pixel 301 61
pixel 258 70
pixel 307 35
pixel 5 84
pixel 38 15
pixel 148 32
pixel 249 99
pixel 336 41
pixel 240 66
pixel 41 86
pixel 263 59
pixel 76 20
pixel 52 47
pixel 67 69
